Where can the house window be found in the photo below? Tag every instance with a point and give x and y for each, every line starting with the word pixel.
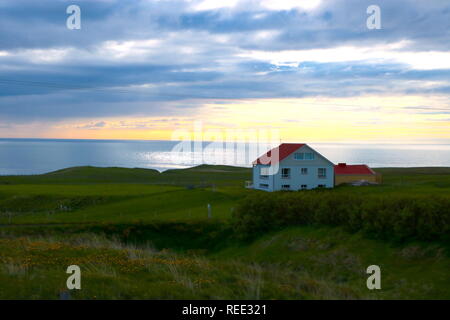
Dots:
pixel 264 173
pixel 263 185
pixel 304 186
pixel 322 173
pixel 304 156
pixel 285 173
pixel 321 186
pixel 304 170
pixel 298 156
pixel 285 187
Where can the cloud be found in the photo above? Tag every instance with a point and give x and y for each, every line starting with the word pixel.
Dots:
pixel 95 125
pixel 172 57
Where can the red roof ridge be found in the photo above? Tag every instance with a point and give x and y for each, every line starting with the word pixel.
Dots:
pixel 353 169
pixel 283 150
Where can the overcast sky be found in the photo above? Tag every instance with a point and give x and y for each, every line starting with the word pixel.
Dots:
pixel 141 69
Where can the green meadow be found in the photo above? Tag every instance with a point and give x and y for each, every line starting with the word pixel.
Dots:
pixel 141 234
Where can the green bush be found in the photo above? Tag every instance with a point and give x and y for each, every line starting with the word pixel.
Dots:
pixel 384 216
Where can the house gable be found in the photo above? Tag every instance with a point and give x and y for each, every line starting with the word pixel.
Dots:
pixel 318 158
pixel 285 153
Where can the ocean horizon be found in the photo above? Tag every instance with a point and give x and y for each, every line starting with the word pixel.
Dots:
pixel 25 156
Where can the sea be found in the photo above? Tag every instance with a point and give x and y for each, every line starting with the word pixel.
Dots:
pixel 37 156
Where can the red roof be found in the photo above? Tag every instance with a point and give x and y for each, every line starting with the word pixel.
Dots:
pixel 280 152
pixel 343 168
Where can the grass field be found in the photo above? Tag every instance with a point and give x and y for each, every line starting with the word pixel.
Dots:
pixel 138 233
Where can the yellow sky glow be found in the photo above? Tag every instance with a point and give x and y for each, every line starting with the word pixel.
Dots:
pixel 370 118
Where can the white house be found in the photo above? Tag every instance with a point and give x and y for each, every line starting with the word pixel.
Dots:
pixel 292 166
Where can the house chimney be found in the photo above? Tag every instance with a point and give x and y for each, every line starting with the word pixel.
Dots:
pixel 342 164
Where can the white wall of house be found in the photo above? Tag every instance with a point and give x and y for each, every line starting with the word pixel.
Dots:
pixel 296 180
pixel 262 183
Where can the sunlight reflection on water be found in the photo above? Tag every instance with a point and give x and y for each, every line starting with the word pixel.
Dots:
pixel 28 156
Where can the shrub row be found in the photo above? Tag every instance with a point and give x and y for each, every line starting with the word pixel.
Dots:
pixel 384 216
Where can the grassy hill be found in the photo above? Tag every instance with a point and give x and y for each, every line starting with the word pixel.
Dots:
pixel 138 233
pixel 199 175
